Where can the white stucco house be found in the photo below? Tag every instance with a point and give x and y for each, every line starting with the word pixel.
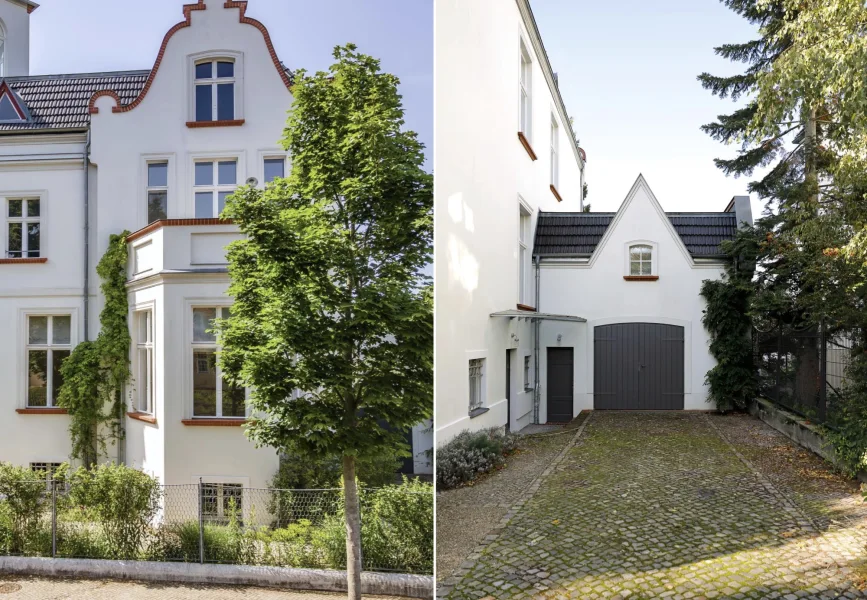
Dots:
pixel 155 152
pixel 504 150
pixel 544 310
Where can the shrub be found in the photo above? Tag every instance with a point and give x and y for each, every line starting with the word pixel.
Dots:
pixel 397 527
pixel 298 545
pixel 26 502
pixel 123 500
pixel 300 473
pixel 471 454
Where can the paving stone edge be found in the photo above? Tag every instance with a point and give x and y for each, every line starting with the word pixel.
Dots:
pixel 446 586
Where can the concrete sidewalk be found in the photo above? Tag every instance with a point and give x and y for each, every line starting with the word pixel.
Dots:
pixel 33 588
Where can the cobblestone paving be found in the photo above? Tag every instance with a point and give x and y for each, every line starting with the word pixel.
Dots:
pixel 672 505
pixel 466 515
pixel 43 588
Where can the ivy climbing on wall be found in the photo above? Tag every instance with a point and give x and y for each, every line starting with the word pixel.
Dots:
pixel 732 382
pixel 95 374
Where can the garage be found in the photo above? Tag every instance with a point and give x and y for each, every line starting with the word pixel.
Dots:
pixel 638 366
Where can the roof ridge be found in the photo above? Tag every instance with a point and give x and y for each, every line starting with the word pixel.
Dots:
pixel 94 75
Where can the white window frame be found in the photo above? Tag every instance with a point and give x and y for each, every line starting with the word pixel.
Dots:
pixel 238 79
pixel 24 220
pixel 50 347
pixel 525 217
pixel 213 81
pixel 144 403
pixel 214 346
pixel 525 122
pixel 555 153
pixel 2 50
pixel 215 188
pixel 273 157
pixel 654 257
pixel 269 154
pixel 220 480
pixel 156 188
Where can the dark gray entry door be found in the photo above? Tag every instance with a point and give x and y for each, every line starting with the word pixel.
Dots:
pixel 561 374
pixel 638 366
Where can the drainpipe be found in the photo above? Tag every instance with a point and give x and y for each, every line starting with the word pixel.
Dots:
pixel 536 391
pixel 87 237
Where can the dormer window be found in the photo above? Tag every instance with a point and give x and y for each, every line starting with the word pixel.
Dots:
pixel 215 90
pixel 12 108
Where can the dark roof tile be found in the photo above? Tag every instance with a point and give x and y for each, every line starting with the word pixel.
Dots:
pixel 577 234
pixel 61 101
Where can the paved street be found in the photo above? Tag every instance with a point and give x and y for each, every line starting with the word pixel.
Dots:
pixel 33 588
pixel 675 505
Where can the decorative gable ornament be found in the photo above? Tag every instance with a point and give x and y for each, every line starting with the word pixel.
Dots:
pixel 12 107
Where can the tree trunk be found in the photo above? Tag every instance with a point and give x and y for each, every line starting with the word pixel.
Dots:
pixel 810 144
pixel 353 530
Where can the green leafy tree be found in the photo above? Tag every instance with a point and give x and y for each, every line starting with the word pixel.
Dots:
pixel 332 322
pixel 96 372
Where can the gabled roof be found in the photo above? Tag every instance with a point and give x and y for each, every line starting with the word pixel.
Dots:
pixel 578 234
pixel 58 102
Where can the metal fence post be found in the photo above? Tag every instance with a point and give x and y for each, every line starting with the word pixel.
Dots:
pixel 53 519
pixel 201 526
pixel 823 370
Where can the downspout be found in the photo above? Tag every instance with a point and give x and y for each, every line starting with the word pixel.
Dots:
pixel 87 237
pixel 536 391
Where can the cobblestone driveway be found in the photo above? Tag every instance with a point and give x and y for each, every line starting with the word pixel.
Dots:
pixel 675 505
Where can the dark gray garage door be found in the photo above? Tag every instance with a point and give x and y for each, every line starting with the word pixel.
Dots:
pixel 638 366
pixel 561 374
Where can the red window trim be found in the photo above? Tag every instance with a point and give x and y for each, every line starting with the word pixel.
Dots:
pixel 144 417
pixel 641 277
pixel 50 410
pixel 215 422
pixel 556 193
pixel 223 123
pixel 526 143
pixel 23 261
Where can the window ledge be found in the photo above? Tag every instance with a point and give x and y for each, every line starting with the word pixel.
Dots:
pixel 478 411
pixel 142 416
pixel 526 307
pixel 641 277
pixel 226 123
pixel 51 410
pixel 214 422
pixel 556 193
pixel 526 144
pixel 23 261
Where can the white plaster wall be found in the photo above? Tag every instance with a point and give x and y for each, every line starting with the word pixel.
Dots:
pixel 122 143
pixel 598 292
pixel 16 27
pixel 482 170
pixel 50 170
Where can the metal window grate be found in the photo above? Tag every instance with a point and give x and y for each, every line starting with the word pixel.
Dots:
pixel 476 372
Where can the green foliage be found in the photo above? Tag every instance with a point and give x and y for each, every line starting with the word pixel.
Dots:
pixel 123 500
pixel 397 530
pixel 330 295
pixel 96 372
pixel 26 503
pixel 300 473
pixel 848 418
pixel 732 381
pixel 471 454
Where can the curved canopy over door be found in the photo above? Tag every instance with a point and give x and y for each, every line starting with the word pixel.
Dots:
pixel 638 366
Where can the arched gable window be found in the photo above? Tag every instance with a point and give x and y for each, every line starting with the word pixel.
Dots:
pixel 640 259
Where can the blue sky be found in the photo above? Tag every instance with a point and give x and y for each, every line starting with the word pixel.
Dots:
pixel 107 35
pixel 627 74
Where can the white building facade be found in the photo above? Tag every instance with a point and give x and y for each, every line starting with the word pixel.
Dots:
pixel 504 150
pixel 543 310
pixel 154 152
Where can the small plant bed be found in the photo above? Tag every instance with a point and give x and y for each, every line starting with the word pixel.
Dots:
pixel 116 512
pixel 470 455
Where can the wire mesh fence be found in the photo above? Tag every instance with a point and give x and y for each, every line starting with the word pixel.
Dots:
pixel 804 368
pixel 219 523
